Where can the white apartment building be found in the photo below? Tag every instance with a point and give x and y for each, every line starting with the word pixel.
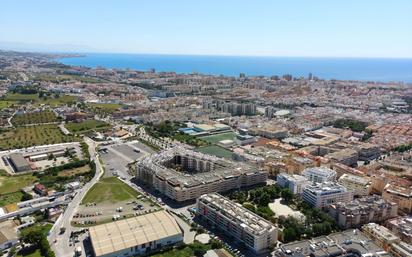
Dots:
pixel 255 232
pixel 296 183
pixel 319 174
pixel 361 186
pixel 322 195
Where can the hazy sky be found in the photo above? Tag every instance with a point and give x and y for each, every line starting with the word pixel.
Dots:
pixel 349 28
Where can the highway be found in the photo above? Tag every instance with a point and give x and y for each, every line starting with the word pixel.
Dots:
pixel 60 242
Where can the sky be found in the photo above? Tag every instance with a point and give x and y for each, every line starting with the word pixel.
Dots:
pixel 316 28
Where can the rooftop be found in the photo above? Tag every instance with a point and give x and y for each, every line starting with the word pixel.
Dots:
pixel 122 234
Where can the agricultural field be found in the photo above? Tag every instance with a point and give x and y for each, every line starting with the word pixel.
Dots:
pixel 37 100
pixel 214 139
pixel 110 189
pixel 74 171
pixel 86 126
pixel 104 108
pixel 22 137
pixel 34 118
pixel 216 151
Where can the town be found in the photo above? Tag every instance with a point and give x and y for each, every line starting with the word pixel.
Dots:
pixel 119 162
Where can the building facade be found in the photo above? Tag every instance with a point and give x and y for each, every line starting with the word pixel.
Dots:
pixel 322 195
pixel 361 186
pixel 295 183
pixel 361 211
pixel 319 174
pixel 255 232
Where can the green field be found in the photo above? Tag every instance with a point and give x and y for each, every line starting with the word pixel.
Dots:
pixel 35 99
pixel 32 136
pixel 9 184
pixel 109 189
pixel 34 118
pixel 216 151
pixel 214 139
pixel 61 78
pixel 5 104
pixel 104 107
pixel 85 126
pixel 10 198
pixel 10 187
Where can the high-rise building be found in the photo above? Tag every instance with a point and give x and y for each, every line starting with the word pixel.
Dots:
pixel 319 174
pixel 295 183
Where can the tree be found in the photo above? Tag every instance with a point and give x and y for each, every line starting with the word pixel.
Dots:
pixel 26 197
pixel 286 194
pixel 289 235
pixel 215 244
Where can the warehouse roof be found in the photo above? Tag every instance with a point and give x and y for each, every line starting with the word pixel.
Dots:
pixel 122 234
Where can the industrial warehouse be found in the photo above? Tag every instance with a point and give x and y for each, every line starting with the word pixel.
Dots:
pixel 183 174
pixel 135 236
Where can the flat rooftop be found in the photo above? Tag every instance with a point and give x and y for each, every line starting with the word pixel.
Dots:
pixel 122 234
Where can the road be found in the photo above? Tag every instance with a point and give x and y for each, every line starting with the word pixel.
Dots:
pixel 60 242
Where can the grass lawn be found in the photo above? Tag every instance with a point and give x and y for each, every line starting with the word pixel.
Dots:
pixel 214 139
pixel 85 126
pixel 50 100
pixel 34 118
pixel 36 253
pixel 22 137
pixel 110 189
pixel 216 151
pixel 10 198
pixel 10 184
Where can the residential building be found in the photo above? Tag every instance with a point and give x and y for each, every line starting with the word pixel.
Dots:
pixel 255 232
pixel 8 235
pixel 183 174
pixel 360 186
pixel 363 210
pixel 400 195
pixel 341 244
pixel 139 235
pixel 319 174
pixel 402 227
pixel 387 240
pixel 321 195
pixel 296 183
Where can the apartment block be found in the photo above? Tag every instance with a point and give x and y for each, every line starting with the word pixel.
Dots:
pixel 402 227
pixel 362 211
pixel 361 186
pixel 255 232
pixel 400 195
pixel 322 195
pixel 319 174
pixel 295 183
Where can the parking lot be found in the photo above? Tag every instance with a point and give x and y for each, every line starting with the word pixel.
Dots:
pixel 92 214
pixel 116 158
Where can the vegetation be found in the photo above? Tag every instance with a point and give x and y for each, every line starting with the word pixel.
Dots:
pixel 354 125
pixel 86 126
pixel 194 249
pixel 104 108
pixel 170 129
pixel 403 148
pixel 66 77
pixel 110 189
pixel 216 151
pixel 22 137
pixel 5 104
pixel 37 236
pixel 11 184
pixel 39 98
pixel 57 176
pixel 34 118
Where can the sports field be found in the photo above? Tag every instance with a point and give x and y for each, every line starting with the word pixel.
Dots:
pixel 214 139
pixel 110 189
pixel 216 151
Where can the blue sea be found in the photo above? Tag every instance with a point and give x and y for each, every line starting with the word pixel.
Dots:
pixel 364 69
